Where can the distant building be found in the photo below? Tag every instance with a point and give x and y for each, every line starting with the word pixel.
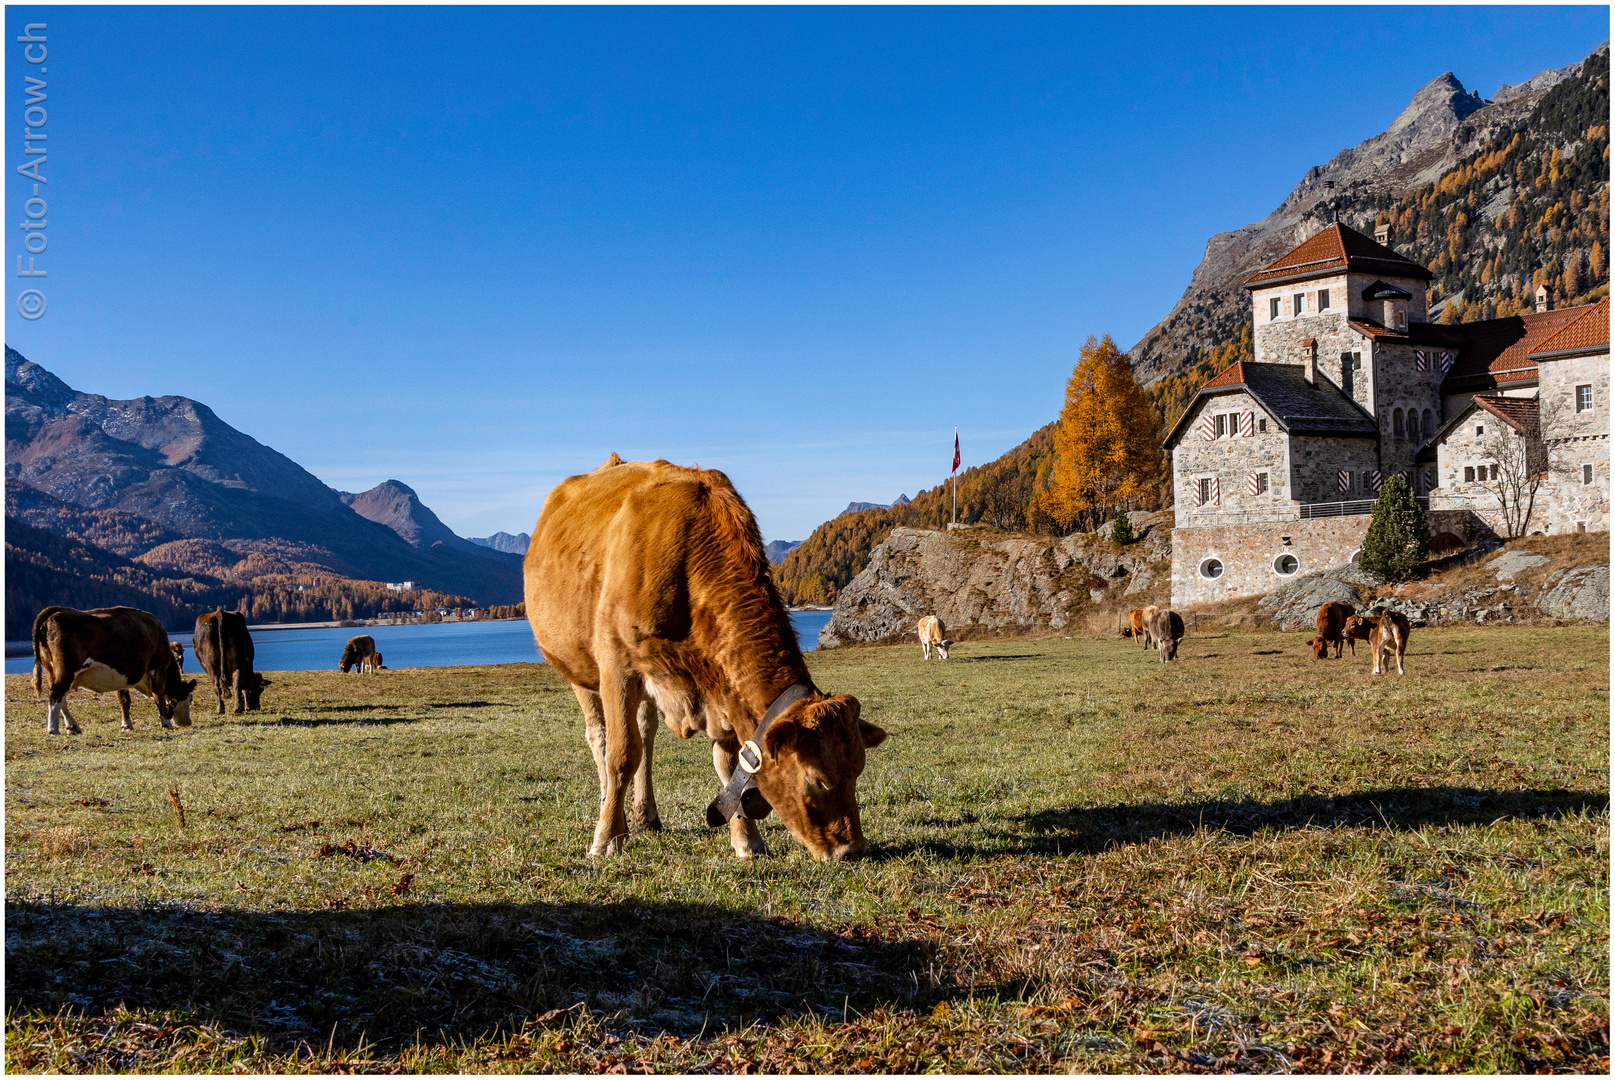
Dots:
pixel 1276 462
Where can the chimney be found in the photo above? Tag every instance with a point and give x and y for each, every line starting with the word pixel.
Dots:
pixel 1382 234
pixel 1542 298
pixel 1309 365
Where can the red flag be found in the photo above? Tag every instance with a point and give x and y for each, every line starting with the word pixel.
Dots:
pixel 955 452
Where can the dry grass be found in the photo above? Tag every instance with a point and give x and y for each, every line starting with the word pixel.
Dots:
pixel 1090 861
pixel 62 841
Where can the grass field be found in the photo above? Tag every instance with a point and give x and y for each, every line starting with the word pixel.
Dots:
pixel 1245 861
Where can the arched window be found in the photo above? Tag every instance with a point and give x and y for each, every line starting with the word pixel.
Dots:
pixel 1396 423
pixel 1429 424
pixel 1413 424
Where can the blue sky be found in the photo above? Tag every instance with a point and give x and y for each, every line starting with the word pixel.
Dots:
pixel 479 249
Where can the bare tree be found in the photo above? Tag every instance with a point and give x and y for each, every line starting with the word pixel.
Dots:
pixel 1521 462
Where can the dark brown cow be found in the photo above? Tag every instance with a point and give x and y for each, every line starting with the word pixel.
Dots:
pixel 647 582
pixel 224 649
pixel 107 650
pixel 359 653
pixel 1166 630
pixel 179 654
pixel 1332 629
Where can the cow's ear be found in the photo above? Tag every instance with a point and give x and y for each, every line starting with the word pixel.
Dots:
pixel 263 681
pixel 873 736
pixel 781 737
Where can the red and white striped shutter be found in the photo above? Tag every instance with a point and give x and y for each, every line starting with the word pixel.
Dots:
pixel 1208 427
pixel 1446 362
pixel 1345 480
pixel 1194 491
pixel 1429 480
pixel 1247 424
pixel 1216 497
pixel 1421 359
pixel 1375 479
pixel 1250 480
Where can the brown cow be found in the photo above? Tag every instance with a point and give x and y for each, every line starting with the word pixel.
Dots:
pixel 375 662
pixel 224 649
pixel 1331 629
pixel 1387 634
pixel 647 582
pixel 107 650
pixel 1146 616
pixel 359 652
pixel 1357 628
pixel 1166 630
pixel 179 654
pixel 1135 627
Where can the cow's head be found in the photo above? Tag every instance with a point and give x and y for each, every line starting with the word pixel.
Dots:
pixel 1168 646
pixel 254 685
pixel 942 647
pixel 179 704
pixel 1359 627
pixel 1320 647
pixel 350 656
pixel 812 758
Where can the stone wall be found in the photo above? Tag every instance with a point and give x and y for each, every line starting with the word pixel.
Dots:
pixel 1231 459
pixel 1315 464
pixel 1400 386
pixel 1248 554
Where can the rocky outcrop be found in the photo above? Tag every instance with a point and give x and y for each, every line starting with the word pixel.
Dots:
pixel 982 582
pixel 1582 593
pixel 1295 606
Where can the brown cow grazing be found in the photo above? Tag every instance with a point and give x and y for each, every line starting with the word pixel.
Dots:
pixel 933 635
pixel 224 649
pixel 179 654
pixel 1135 627
pixel 375 662
pixel 358 653
pixel 1146 616
pixel 1357 628
pixel 107 650
pixel 1387 635
pixel 1331 629
pixel 1166 630
pixel 647 582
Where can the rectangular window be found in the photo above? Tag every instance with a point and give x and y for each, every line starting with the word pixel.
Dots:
pixel 1261 425
pixel 1480 430
pixel 1584 398
pixel 1469 474
pixel 1222 425
pixel 1300 303
pixel 1586 474
pixel 1357 361
pixel 1273 308
pixel 1205 490
pixel 1323 299
pixel 1494 471
pixel 1261 483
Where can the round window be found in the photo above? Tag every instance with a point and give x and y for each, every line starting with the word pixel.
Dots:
pixel 1356 556
pixel 1286 565
pixel 1211 568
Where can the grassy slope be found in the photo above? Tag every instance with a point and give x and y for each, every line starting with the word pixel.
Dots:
pixel 1246 860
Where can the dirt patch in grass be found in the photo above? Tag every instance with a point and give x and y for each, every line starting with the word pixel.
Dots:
pixel 1087 860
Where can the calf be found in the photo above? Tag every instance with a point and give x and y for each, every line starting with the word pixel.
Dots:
pixel 1331 629
pixel 933 635
pixel 1357 628
pixel 224 649
pixel 107 650
pixel 358 653
pixel 1387 635
pixel 1166 629
pixel 375 662
pixel 1146 616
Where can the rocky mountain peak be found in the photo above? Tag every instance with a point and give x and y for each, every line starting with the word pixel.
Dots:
pixel 27 380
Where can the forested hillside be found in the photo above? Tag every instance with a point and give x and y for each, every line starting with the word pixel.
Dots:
pixel 43 568
pixel 1530 207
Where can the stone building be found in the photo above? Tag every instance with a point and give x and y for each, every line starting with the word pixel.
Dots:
pixel 1277 460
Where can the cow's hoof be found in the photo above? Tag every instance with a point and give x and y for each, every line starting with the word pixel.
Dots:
pixel 650 824
pixel 614 846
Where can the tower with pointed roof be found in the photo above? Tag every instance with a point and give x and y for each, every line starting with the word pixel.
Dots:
pixel 1277 459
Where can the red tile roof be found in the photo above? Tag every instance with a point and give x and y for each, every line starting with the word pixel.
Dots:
pixel 1521 414
pixel 1232 375
pixel 1589 331
pixel 1499 350
pixel 1334 249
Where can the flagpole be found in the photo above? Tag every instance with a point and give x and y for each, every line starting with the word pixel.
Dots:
pixel 955 472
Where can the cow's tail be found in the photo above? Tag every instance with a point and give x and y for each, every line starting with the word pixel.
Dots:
pixel 39 647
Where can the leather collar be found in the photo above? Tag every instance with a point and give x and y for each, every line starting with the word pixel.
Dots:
pixel 740 794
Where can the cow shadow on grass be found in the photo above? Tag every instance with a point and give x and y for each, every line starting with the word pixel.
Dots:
pixel 1084 830
pixel 995 659
pixel 391 973
pixel 339 721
